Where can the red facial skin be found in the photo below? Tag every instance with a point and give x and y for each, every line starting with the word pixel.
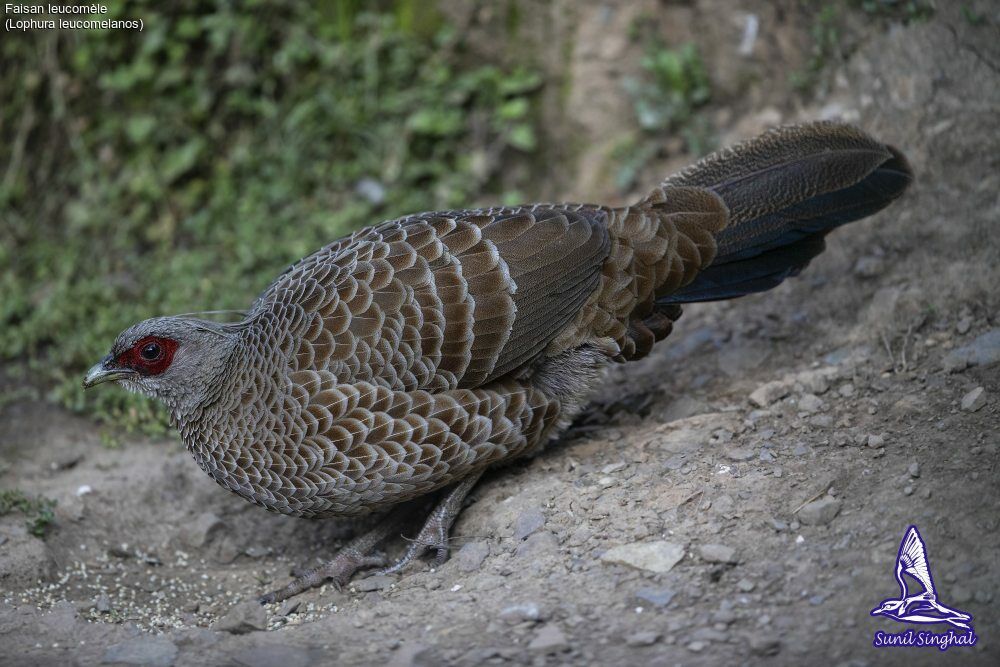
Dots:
pixel 132 357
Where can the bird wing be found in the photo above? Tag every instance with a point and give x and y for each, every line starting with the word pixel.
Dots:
pixel 440 300
pixel 913 558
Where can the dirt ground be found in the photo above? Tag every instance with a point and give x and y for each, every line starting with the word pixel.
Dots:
pixel 779 446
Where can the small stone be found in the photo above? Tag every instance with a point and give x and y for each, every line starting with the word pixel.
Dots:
pixel 528 522
pixel 146 651
pixel 659 556
pixel 914 469
pixel 102 604
pixel 537 544
pixel 549 639
pixel 985 349
pixel 521 612
pixel 613 467
pixel 817 381
pixel 271 655
pixel 907 490
pixel 764 645
pixel 647 638
pixel 717 553
pixel 472 554
pixel 868 267
pixel 739 454
pixel 875 441
pixel 767 393
pixel 963 325
pixel 696 646
pixel 242 618
pixel 810 403
pixel 974 400
pixel 846 390
pixel 745 585
pixel 414 654
pixel 199 532
pixel 820 512
pixel 658 597
pixel 377 582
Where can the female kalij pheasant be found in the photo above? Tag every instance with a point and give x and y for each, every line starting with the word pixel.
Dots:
pixel 416 354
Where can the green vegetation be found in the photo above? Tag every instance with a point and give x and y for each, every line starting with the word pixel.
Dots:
pixel 40 511
pixel 183 167
pixel 666 100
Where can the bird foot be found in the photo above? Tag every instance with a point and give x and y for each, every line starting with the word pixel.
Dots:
pixel 434 534
pixel 338 571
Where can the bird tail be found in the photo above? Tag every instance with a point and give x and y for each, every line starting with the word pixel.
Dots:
pixel 785 190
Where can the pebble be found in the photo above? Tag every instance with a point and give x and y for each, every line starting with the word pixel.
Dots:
pixel 816 381
pixel 846 390
pixel 764 645
pixel 810 403
pixel 271 655
pixel 767 393
pixel 983 350
pixel 647 638
pixel 963 325
pixel 521 612
pixel 696 646
pixel 414 654
pixel 199 532
pixel 659 556
pixel 658 597
pixel 549 639
pixel 974 400
pixel 539 543
pixel 151 651
pixel 242 618
pixel 377 582
pixel 472 554
pixel 527 522
pixel 103 603
pixel 739 454
pixel 914 469
pixel 717 553
pixel 819 512
pixel 875 441
pixel 745 585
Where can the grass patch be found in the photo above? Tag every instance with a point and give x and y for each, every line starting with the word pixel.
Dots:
pixel 40 511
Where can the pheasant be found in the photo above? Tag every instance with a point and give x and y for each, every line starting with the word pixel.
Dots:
pixel 414 355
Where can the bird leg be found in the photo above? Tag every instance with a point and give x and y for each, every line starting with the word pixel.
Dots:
pixel 355 555
pixel 434 534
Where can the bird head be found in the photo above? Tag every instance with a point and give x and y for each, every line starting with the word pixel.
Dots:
pixel 890 606
pixel 173 359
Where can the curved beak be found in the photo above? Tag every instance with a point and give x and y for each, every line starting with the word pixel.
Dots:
pixel 105 372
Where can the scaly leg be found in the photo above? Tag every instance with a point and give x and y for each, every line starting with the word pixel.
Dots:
pixel 434 534
pixel 355 555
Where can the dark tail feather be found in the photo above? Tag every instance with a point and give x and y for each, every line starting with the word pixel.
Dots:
pixel 785 191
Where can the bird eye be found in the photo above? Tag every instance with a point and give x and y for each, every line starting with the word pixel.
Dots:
pixel 150 351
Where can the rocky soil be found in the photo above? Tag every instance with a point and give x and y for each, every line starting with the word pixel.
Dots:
pixel 738 498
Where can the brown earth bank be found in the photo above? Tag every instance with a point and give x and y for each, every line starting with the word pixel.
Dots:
pixel 737 498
